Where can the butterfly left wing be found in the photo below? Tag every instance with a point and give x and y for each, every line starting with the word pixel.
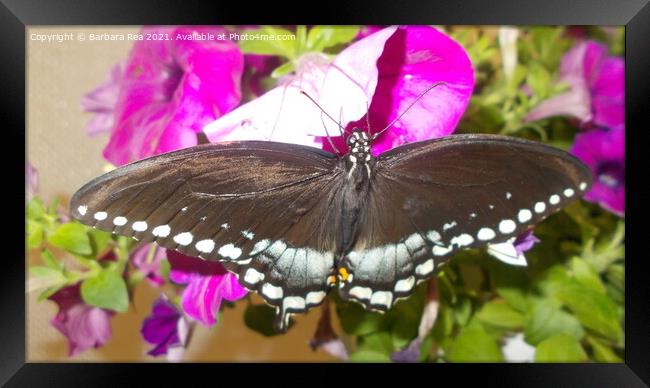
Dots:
pixel 263 209
pixel 429 199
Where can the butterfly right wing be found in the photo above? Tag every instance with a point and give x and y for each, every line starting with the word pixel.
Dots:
pixel 263 209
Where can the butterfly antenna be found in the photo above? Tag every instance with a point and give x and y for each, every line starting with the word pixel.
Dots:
pixel 329 138
pixel 407 109
pixel 323 110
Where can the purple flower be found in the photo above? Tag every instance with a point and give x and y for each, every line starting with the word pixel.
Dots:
pixel 85 326
pixel 170 89
pixel 101 102
pixel 207 284
pixel 166 328
pixel 408 61
pixel 525 242
pixel 597 93
pixel 31 180
pixel 409 354
pixel 146 258
pixel 604 152
pixel 512 251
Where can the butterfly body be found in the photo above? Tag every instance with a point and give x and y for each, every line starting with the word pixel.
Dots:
pixel 291 220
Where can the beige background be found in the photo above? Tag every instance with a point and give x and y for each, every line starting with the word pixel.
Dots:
pixel 58 74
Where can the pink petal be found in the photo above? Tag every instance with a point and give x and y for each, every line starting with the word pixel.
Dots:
pixel 609 94
pixel 283 114
pixel 171 89
pixel 415 58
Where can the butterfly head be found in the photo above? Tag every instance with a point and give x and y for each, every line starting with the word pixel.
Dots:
pixel 359 145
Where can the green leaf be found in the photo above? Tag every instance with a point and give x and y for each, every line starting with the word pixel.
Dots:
pixel 463 310
pixel 473 344
pixel 546 319
pixel 51 261
pixel 595 311
pixel 72 237
pixel 539 79
pixel 106 290
pixel 602 352
pixel 283 70
pixel 165 267
pixel 357 321
pixel 444 323
pixel 498 313
pixel 35 234
pixel 99 240
pixel 369 356
pixel 321 37
pixel 261 42
pixel 560 348
pixel 259 318
pixel 586 274
pixel 35 209
pixel 376 342
pixel 44 277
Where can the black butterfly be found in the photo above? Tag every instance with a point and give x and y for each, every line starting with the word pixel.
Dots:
pixel 292 221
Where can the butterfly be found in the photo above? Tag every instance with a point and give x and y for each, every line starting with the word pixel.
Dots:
pixel 293 221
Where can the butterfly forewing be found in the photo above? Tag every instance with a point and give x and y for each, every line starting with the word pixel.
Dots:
pixel 265 210
pixel 431 198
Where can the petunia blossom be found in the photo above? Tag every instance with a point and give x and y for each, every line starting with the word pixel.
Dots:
pixel 146 258
pixel 386 70
pixel 166 328
pixel 516 349
pixel 171 88
pixel 208 283
pixel 512 251
pixel 101 102
pixel 597 88
pixel 604 152
pixel 84 326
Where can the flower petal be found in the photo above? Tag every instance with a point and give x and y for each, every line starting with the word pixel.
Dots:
pixel 342 87
pixel 415 58
pixel 171 89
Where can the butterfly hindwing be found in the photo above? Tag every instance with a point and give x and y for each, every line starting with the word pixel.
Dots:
pixel 431 198
pixel 263 209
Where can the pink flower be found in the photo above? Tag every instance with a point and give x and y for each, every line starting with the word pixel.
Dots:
pixel 85 326
pixel 146 258
pixel 597 94
pixel 207 284
pixel 170 89
pixel 387 69
pixel 604 152
pixel 101 101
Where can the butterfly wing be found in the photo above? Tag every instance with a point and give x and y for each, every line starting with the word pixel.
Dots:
pixel 261 208
pixel 431 198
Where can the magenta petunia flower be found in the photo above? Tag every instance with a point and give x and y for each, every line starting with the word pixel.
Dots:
pixel 146 258
pixel 208 283
pixel 257 68
pixel 597 93
pixel 604 152
pixel 170 89
pixel 166 328
pixel 101 101
pixel 84 326
pixel 387 70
